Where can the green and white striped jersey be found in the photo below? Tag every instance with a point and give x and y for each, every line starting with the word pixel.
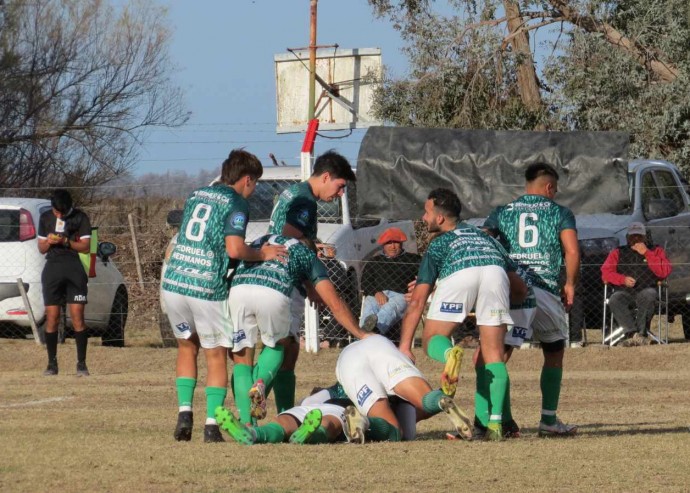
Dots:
pixel 530 228
pixel 296 206
pixel 458 249
pixel 302 265
pixel 198 265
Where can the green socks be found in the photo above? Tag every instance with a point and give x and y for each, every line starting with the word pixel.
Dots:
pixel 550 393
pixel 437 347
pixel 269 433
pixel 185 392
pixel 242 383
pixel 284 389
pixel 481 397
pixel 319 436
pixel 268 363
pixel 381 430
pixel 431 401
pixel 497 377
pixel 215 396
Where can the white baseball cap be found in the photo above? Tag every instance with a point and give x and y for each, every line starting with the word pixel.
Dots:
pixel 637 229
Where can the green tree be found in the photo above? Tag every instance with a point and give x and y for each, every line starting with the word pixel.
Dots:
pixel 80 83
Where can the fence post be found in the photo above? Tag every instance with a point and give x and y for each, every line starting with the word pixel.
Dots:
pixel 29 311
pixel 135 247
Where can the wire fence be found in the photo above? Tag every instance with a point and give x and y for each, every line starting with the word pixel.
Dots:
pixel 124 298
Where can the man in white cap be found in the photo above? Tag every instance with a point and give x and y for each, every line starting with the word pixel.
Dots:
pixel 384 282
pixel 634 270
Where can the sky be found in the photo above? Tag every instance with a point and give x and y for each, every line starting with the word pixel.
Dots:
pixel 223 52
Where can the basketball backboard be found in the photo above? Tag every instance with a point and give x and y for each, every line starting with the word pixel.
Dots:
pixel 350 78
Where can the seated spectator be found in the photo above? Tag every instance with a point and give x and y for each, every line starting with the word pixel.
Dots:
pixel 384 282
pixel 635 270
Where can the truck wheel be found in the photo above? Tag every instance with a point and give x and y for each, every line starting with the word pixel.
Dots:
pixel 685 319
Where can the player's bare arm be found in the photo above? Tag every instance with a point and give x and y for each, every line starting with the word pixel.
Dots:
pixel 413 315
pixel 571 252
pixel 339 308
pixel 238 249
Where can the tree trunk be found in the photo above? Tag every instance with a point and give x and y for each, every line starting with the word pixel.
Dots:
pixel 526 74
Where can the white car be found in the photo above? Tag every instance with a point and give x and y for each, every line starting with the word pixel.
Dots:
pixel 106 312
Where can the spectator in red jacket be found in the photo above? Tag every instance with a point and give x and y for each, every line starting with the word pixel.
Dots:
pixel 635 270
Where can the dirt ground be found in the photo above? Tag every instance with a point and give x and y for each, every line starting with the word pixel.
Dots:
pixel 113 431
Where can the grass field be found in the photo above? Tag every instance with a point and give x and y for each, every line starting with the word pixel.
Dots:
pixel 113 431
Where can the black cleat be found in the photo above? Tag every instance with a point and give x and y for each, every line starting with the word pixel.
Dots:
pixel 183 430
pixel 82 370
pixel 212 434
pixel 52 368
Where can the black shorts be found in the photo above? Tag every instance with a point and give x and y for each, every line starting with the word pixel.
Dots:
pixel 64 281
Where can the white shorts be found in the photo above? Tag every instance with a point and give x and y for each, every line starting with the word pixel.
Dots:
pixel 299 412
pixel 521 330
pixel 369 369
pixel 550 323
pixel 208 319
pixel 486 289
pixel 257 309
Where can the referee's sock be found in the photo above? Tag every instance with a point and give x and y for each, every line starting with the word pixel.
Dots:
pixel 51 345
pixel 82 339
pixel 381 430
pixel 437 347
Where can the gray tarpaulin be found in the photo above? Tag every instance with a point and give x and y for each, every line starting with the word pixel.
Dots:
pixel 397 168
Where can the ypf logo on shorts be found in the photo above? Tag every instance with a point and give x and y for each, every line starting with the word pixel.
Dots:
pixel 519 333
pixel 80 298
pixel 451 307
pixel 363 394
pixel 239 336
pixel 183 327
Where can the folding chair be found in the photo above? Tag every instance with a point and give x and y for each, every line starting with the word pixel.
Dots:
pixel 611 335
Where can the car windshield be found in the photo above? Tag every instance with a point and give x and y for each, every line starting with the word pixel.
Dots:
pixel 9 225
pixel 631 195
pixel 263 200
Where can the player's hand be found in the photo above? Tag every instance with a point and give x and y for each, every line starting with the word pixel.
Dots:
pixel 629 282
pixel 568 296
pixel 272 252
pixel 314 299
pixel 410 287
pixel 381 298
pixel 407 352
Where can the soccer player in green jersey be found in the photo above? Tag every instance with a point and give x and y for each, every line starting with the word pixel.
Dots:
pixel 260 300
pixel 195 286
pixel 538 234
pixel 295 216
pixel 469 269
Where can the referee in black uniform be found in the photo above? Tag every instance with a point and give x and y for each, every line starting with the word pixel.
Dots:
pixel 63 233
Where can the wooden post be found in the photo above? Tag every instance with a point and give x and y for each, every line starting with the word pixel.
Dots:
pixel 135 247
pixel 29 311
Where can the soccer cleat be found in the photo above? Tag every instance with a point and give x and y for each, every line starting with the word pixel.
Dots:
pixel 82 370
pixel 449 377
pixel 183 430
pixel 457 416
pixel 311 423
pixel 370 323
pixel 52 368
pixel 212 434
pixel 237 431
pixel 257 396
pixel 511 429
pixel 558 429
pixel 494 432
pixel 355 425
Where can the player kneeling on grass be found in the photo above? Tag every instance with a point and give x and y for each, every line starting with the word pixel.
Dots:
pixel 469 269
pixel 371 371
pixel 260 301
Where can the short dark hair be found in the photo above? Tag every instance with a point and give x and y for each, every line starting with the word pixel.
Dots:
pixel 335 164
pixel 536 170
pixel 238 164
pixel 61 200
pixel 447 202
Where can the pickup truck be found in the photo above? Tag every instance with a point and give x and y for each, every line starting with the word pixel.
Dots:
pixel 349 240
pixel 659 199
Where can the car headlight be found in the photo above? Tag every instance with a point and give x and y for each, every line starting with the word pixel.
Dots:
pixel 598 246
